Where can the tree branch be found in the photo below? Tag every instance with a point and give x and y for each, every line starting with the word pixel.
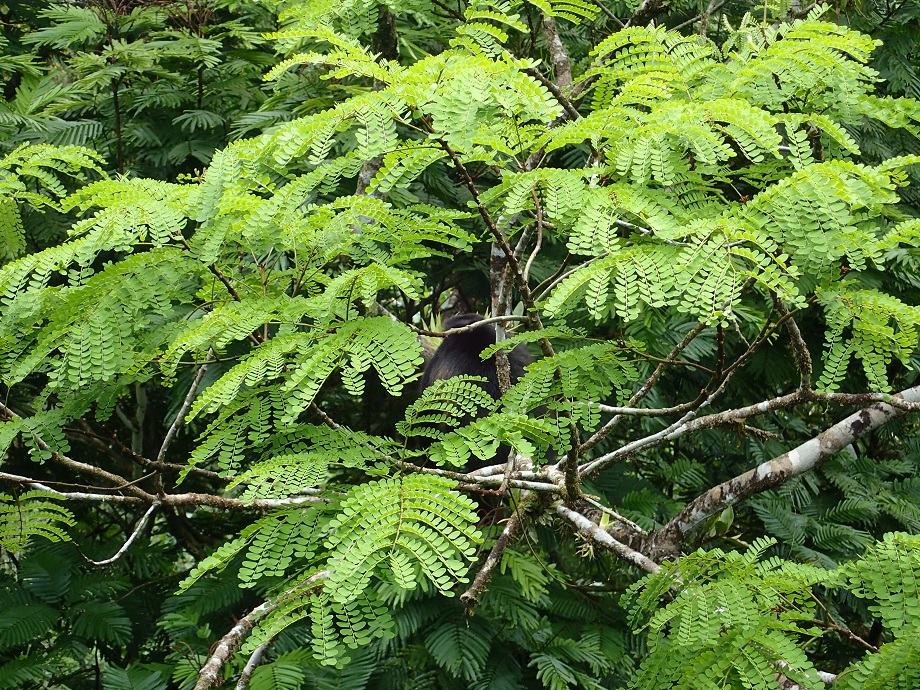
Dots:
pixel 69 495
pixel 209 676
pixel 601 537
pixel 120 483
pixel 186 405
pixel 138 528
pixel 647 12
pixel 188 500
pixel 251 664
pixel 667 541
pixel 605 430
pixel 558 54
pixel 472 595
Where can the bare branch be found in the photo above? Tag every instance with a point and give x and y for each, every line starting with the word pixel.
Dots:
pixel 70 495
pixel 254 660
pixel 120 483
pixel 800 354
pixel 471 327
pixel 571 112
pixel 138 528
pixel 692 422
pixel 539 242
pixel 490 476
pixel 602 538
pixel 112 446
pixel 604 431
pixel 209 676
pixel 799 460
pixel 647 12
pixel 497 236
pixel 500 244
pixel 632 526
pixel 195 500
pixel 471 596
pixel 786 684
pixel 610 15
pixel 428 349
pixel 186 405
pixel 703 18
pixel 557 52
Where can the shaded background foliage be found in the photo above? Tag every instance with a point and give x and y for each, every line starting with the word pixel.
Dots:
pixel 156 89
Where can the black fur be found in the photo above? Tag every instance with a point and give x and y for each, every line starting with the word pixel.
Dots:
pixel 459 355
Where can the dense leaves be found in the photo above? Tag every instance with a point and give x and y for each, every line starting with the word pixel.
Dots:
pixel 229 232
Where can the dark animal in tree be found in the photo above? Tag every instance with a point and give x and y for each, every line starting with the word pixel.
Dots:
pixel 459 354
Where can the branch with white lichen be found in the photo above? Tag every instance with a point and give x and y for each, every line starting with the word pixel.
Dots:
pixel 667 541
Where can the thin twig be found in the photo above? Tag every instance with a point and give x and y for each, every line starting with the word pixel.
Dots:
pixel 473 593
pixel 604 431
pixel 186 405
pixel 800 352
pixel 82 467
pixel 470 327
pixel 141 524
pixel 707 14
pixel 610 15
pixel 69 495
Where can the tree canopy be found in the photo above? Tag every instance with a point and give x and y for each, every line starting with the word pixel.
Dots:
pixel 231 231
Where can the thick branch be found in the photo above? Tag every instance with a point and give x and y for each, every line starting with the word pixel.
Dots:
pixel 209 676
pixel 691 422
pixel 557 53
pixel 252 664
pixel 667 541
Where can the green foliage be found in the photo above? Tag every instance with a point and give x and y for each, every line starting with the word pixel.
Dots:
pixel 401 526
pixel 867 316
pixel 33 514
pixel 893 667
pixel 445 402
pixel 152 87
pixel 887 574
pixel 39 176
pixel 735 618
pixel 280 539
pixel 240 344
pixel 25 619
